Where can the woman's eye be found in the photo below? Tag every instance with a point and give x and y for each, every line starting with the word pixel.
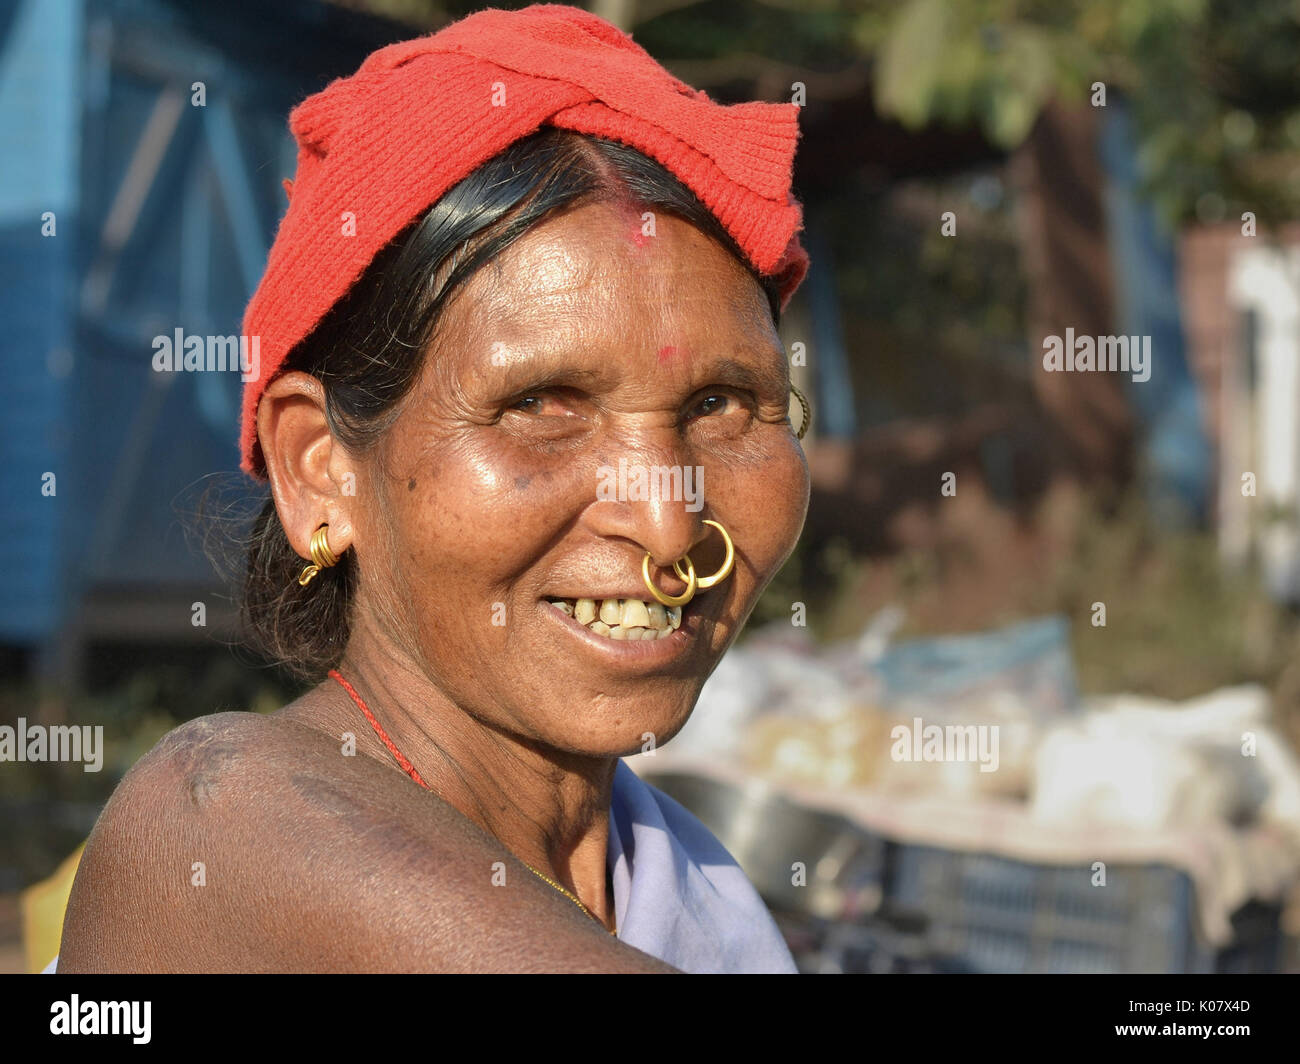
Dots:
pixel 539 404
pixel 712 404
pixel 549 406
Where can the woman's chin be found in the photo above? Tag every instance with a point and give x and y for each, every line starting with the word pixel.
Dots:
pixel 602 738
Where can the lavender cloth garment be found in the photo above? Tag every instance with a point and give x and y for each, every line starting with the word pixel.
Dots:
pixel 678 894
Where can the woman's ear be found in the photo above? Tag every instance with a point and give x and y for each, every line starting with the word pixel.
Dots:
pixel 311 474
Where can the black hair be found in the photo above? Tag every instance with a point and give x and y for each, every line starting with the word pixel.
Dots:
pixel 369 350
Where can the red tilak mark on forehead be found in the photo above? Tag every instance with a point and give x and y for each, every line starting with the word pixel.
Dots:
pixel 636 225
pixel 668 352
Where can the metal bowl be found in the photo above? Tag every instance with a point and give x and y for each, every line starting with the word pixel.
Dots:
pixel 801 860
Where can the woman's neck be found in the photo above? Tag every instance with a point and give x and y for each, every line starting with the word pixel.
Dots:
pixel 548 807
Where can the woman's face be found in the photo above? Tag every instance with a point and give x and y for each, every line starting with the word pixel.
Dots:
pixel 585 345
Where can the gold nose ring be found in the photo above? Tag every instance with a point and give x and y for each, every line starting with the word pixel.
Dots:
pixel 723 572
pixel 693 582
pixel 662 596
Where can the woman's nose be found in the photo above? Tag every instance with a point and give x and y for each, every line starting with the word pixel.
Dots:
pixel 656 503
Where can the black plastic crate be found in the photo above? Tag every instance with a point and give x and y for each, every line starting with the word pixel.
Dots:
pixel 993 914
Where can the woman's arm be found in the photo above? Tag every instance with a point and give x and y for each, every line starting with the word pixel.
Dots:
pixel 225 850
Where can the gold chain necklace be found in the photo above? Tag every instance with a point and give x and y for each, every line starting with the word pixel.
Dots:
pixel 567 893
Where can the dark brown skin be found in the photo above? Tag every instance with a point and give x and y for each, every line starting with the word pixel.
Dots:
pixel 660 351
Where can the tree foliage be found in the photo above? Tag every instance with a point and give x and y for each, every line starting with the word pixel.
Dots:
pixel 1214 84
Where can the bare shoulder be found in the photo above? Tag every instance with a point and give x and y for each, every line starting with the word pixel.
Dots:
pixel 244 842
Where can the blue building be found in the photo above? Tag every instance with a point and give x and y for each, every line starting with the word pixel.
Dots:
pixel 144 145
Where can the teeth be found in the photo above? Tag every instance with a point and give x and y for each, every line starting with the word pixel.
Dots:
pixel 635 614
pixel 624 619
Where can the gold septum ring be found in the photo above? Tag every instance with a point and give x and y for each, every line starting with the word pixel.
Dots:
pixel 694 582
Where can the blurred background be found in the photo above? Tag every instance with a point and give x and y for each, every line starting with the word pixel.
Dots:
pixel 1101 573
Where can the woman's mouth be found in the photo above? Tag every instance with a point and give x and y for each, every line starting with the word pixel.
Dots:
pixel 622 618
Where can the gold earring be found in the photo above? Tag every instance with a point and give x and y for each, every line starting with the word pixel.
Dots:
pixel 664 597
pixel 807 412
pixel 321 556
pixel 706 582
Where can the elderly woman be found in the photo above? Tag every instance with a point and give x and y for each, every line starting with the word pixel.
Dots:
pixel 526 423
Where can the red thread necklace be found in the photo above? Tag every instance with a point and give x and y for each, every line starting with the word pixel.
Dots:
pixel 409 769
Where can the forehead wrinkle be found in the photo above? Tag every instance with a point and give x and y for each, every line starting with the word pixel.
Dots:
pixel 545 267
pixel 560 257
pixel 518 308
pixel 674 291
pixel 576 289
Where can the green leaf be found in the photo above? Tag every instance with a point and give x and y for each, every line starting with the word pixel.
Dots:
pixel 912 62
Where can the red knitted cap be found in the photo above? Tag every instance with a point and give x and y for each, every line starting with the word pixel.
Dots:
pixel 418 116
